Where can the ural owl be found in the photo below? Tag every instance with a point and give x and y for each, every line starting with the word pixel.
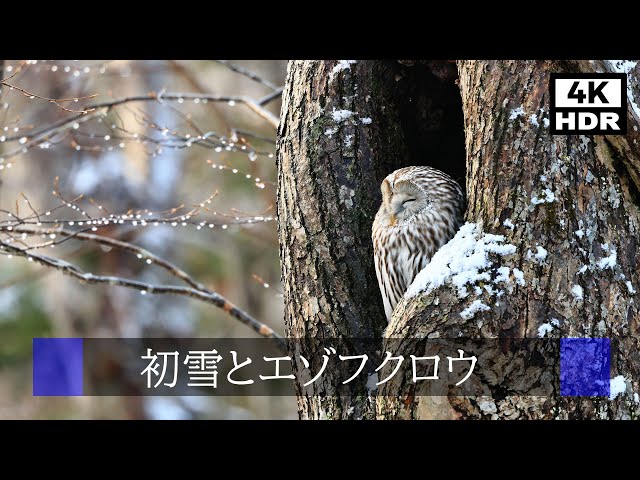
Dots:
pixel 422 208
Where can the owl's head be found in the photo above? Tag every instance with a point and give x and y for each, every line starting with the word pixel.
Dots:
pixel 402 200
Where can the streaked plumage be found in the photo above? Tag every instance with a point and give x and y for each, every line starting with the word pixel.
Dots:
pixel 422 208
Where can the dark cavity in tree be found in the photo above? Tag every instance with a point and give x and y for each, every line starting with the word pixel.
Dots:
pixel 429 104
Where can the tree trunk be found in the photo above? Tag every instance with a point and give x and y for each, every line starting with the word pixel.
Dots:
pixel 576 197
pixel 327 183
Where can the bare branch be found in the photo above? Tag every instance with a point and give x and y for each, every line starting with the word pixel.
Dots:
pixel 160 97
pixel 57 101
pixel 272 96
pixel 198 291
pixel 46 133
pixel 249 74
pixel 254 135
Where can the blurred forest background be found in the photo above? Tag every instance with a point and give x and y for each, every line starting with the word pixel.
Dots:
pixel 132 158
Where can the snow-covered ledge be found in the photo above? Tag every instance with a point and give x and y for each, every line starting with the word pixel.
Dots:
pixel 465 279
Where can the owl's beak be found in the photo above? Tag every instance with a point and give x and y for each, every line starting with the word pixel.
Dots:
pixel 393 220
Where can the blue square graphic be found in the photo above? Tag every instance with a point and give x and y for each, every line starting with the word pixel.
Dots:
pixel 585 367
pixel 57 367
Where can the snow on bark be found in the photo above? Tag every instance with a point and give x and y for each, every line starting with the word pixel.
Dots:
pixel 466 260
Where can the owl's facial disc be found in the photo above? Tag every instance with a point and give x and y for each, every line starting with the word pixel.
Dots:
pixel 406 200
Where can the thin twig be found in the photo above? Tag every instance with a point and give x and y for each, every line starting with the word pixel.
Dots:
pixel 197 85
pixel 248 73
pixel 272 96
pixel 47 133
pixel 249 102
pixel 56 101
pixel 247 133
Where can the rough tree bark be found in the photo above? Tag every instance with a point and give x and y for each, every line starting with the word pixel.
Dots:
pixel 325 201
pixel 512 162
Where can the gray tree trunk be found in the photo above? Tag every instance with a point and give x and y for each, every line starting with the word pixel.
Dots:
pixel 329 170
pixel 511 159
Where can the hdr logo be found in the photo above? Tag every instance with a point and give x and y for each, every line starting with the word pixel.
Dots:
pixel 594 103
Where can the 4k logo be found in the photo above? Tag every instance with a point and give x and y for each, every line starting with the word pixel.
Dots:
pixel 594 103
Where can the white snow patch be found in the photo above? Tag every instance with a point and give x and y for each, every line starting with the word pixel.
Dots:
pixel 366 120
pixel 329 132
pixel 579 233
pixel 503 275
pixel 548 327
pixel 348 141
pixel 507 223
pixel 617 386
pixel 583 269
pixel 544 329
pixel 626 67
pixel 577 291
pixel 605 247
pixel 545 122
pixel 608 262
pixel 340 66
pixel 636 398
pixel 475 307
pixel 533 120
pixel 540 255
pixel 519 276
pixel 630 287
pixel 516 112
pixel 549 197
pixel 464 260
pixel 341 115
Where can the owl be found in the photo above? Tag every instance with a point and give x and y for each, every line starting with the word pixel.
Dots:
pixel 422 208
